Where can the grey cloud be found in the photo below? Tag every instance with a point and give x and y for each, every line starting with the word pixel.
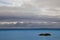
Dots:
pixel 29 12
pixel 34 7
pixel 48 3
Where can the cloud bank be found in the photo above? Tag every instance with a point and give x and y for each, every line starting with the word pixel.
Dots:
pixel 39 12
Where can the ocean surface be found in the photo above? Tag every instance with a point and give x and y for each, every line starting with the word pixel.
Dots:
pixel 29 35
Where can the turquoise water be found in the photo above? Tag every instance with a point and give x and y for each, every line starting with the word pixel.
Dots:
pixel 29 35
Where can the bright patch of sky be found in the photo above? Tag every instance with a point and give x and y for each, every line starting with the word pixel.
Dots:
pixel 13 3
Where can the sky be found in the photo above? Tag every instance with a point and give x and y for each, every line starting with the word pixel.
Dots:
pixel 13 2
pixel 47 10
pixel 38 7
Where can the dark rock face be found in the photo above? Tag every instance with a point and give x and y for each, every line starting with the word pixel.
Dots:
pixel 45 34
